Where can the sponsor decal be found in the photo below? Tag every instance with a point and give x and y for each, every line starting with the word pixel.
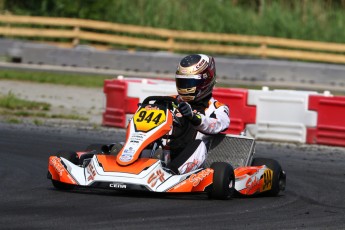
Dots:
pixel 136 138
pixel 56 163
pixel 126 157
pixel 199 65
pixel 189 166
pixel 154 177
pixel 252 183
pixel 127 154
pixel 117 185
pixel 91 170
pixel 130 150
pixel 195 179
pixel 139 136
pixel 268 178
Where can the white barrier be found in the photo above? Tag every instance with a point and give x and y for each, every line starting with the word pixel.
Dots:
pixel 278 115
pixel 281 115
pixel 144 88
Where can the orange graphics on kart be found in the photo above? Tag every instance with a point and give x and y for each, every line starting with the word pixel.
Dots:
pixel 140 162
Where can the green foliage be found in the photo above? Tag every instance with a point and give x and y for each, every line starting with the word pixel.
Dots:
pixel 38 122
pixel 302 19
pixel 13 120
pixel 10 101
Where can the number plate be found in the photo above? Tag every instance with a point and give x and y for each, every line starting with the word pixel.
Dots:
pixel 148 118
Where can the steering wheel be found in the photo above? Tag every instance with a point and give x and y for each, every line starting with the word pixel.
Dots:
pixel 161 100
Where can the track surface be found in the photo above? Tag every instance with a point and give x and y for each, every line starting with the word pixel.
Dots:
pixel 314 198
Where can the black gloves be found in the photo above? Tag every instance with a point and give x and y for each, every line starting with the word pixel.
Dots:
pixel 186 111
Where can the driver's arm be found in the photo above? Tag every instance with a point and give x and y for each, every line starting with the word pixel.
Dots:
pixel 217 122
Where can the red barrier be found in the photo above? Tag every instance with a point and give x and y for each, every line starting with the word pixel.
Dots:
pixel 330 129
pixel 117 103
pixel 241 114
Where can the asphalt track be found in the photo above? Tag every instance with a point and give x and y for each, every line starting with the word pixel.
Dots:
pixel 314 198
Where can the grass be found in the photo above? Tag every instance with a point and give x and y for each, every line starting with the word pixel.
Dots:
pixel 10 105
pixel 54 78
pixel 13 120
pixel 10 101
pixel 38 122
pixel 68 116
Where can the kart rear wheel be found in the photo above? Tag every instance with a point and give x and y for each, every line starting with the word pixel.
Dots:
pixel 279 177
pixel 115 149
pixel 100 148
pixel 112 149
pixel 62 186
pixel 223 181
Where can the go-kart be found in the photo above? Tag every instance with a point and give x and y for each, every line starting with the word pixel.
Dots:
pixel 141 163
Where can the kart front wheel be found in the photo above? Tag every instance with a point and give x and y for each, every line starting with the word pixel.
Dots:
pixel 62 186
pixel 279 177
pixel 72 157
pixel 223 181
pixel 69 155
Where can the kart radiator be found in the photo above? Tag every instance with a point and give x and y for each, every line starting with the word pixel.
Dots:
pixel 236 150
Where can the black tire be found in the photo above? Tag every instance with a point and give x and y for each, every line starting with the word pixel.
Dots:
pixel 223 181
pixel 69 155
pixel 115 149
pixel 279 178
pixel 72 157
pixel 62 186
pixel 99 148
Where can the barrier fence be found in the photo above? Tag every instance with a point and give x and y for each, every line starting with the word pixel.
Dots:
pixel 272 115
pixel 70 32
pixel 330 126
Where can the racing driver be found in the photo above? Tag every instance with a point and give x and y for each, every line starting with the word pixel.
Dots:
pixel 195 78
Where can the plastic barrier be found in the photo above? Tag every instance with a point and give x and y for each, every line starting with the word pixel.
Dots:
pixel 241 113
pixel 330 129
pixel 118 104
pixel 281 115
pixel 143 88
pixel 123 96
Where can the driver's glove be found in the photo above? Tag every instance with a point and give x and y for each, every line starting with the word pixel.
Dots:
pixel 186 110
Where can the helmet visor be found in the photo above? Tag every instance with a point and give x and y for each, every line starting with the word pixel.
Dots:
pixel 188 84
